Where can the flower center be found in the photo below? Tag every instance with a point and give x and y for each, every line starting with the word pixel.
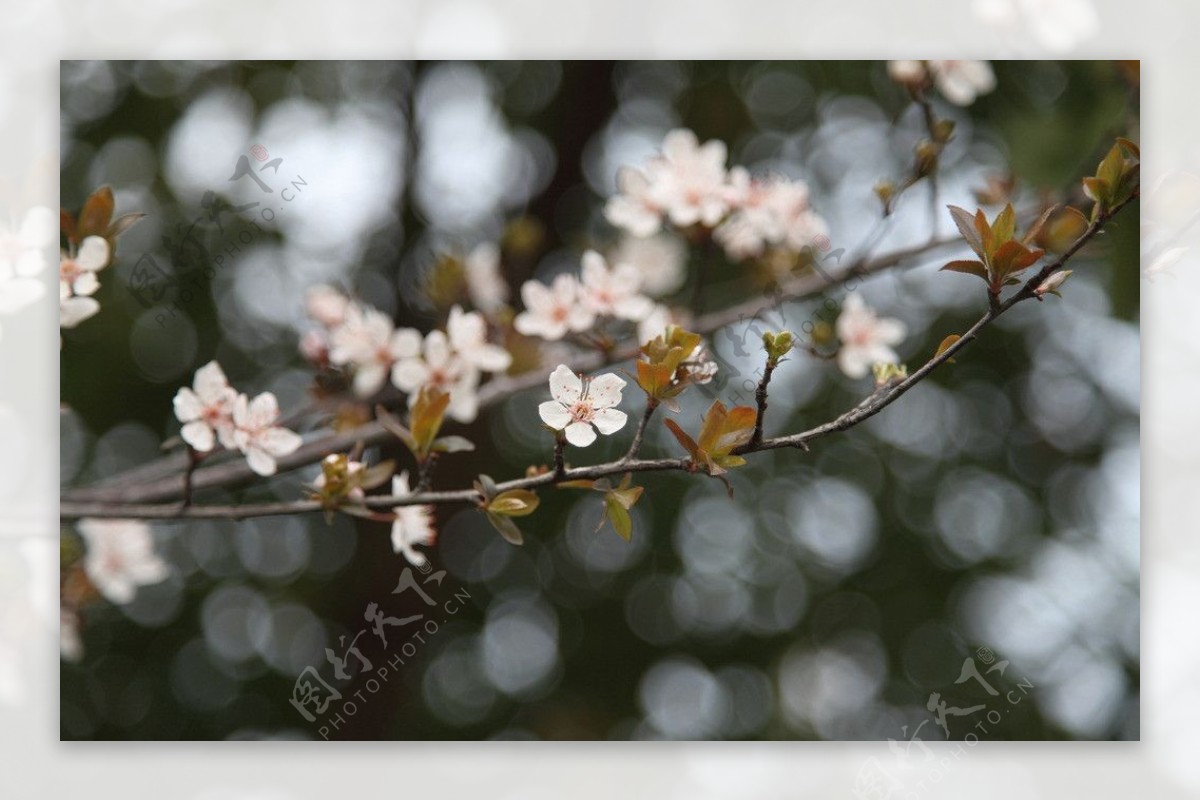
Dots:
pixel 559 314
pixel 68 270
pixel 581 412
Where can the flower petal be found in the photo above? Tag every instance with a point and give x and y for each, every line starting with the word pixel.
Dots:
pixel 605 390
pixel 260 461
pixel 210 383
pixel 279 441
pixel 609 421
pixel 554 414
pixel 565 386
pixel 409 374
pixel 93 253
pixel 188 406
pixel 580 434
pixel 198 434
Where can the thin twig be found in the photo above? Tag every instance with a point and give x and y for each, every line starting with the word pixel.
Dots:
pixel 877 402
pixel 640 432
pixel 560 468
pixel 760 398
pixel 235 472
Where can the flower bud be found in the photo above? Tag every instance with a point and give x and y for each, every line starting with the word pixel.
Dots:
pixel 777 345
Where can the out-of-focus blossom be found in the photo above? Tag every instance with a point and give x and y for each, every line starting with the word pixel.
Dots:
pixel 552 311
pixel 78 282
pixel 633 209
pixel 771 211
pixel 1164 261
pixel 120 557
pixel 685 183
pixel 206 410
pixel 440 367
pixel 866 339
pixel 661 260
pixel 613 291
pixel 257 435
pixel 1057 25
pixel 579 404
pixel 467 332
pixel 413 524
pixel 368 343
pixel 486 287
pixel 960 82
pixel 326 305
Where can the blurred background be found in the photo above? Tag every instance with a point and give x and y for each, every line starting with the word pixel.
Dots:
pixel 995 507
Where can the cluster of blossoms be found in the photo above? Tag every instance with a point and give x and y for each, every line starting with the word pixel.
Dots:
pixel 364 342
pixel 77 280
pixel 960 82
pixel 687 184
pixel 571 305
pixel 212 411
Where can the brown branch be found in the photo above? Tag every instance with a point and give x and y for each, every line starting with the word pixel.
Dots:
pixel 877 402
pixel 640 432
pixel 236 473
pixel 760 398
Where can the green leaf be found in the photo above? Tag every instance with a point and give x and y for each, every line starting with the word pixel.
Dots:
pixel 1005 225
pixel 619 516
pixel 626 497
pixel 514 503
pixel 507 528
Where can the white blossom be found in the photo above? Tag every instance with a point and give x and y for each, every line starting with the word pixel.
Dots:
pixel 633 208
pixel 661 260
pixel 771 211
pixel 467 332
pixel 120 557
pixel 367 342
pixel 413 524
pixel 206 410
pixel 326 305
pixel 440 367
pixel 257 435
pixel 960 82
pixel 866 338
pixel 486 287
pixel 579 404
pixel 552 311
pixel 613 291
pixel 77 281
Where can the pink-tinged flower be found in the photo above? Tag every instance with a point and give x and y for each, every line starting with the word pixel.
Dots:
pixel 661 260
pixel 206 410
pixel 120 557
pixel 633 208
pixel 367 342
pixel 440 367
pixel 866 338
pixel 771 211
pixel 613 291
pixel 77 281
pixel 486 287
pixel 257 435
pixel 314 346
pixel 413 524
pixel 960 82
pixel 579 404
pixel 467 332
pixel 326 305
pixel 552 311
pixel 688 180
pixel 1051 284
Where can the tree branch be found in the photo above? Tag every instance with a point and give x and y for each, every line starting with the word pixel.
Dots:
pixel 872 405
pixel 235 472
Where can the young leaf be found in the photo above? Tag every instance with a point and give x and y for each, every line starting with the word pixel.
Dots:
pixel 686 441
pixel 966 226
pixel 970 267
pixel 507 528
pixel 619 516
pixel 96 213
pixel 946 343
pixel 514 503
